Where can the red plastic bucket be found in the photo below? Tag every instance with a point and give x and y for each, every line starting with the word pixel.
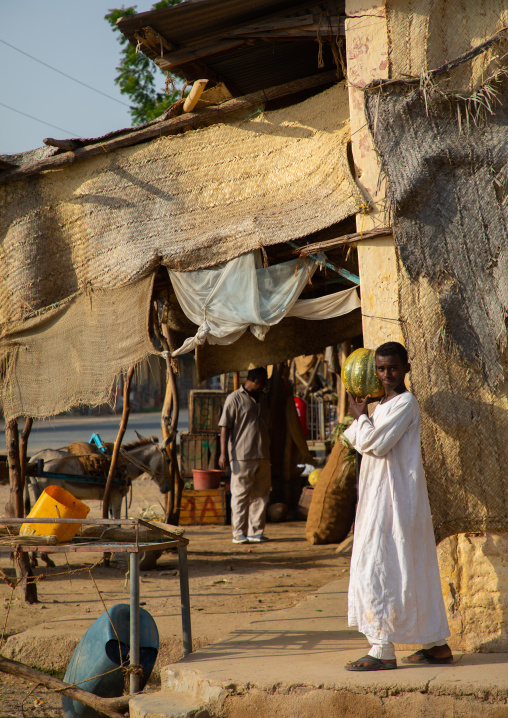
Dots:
pixel 301 410
pixel 206 479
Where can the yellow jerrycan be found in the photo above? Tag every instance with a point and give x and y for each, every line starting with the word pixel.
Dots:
pixel 57 503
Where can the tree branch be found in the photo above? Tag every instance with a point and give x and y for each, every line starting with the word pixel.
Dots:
pixel 112 707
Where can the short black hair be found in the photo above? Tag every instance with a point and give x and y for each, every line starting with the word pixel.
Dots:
pixel 392 348
pixel 259 373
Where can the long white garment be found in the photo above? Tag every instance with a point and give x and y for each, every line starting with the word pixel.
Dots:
pixel 394 589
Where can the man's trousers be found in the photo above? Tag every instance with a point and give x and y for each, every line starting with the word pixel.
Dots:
pixel 250 490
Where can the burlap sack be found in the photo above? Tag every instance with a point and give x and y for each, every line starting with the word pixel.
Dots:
pixel 332 509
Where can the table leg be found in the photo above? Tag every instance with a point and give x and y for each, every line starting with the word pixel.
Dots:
pixel 185 600
pixel 134 680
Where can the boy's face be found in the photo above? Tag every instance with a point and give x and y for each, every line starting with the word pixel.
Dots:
pixel 391 371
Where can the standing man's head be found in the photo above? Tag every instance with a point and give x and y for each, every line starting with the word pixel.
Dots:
pixel 256 380
pixel 392 366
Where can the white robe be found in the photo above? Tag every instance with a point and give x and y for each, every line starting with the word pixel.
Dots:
pixel 394 590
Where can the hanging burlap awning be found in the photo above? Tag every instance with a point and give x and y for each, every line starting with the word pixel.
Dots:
pixel 450 220
pixel 188 202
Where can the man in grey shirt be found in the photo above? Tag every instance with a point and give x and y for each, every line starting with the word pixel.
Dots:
pixel 245 434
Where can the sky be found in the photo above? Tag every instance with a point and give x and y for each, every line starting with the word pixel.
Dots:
pixel 73 37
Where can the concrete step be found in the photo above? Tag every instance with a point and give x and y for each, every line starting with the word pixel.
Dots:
pixel 183 696
pixel 290 663
pixel 165 704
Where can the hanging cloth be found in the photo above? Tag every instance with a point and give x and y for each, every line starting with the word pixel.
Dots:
pixel 229 299
pixel 327 307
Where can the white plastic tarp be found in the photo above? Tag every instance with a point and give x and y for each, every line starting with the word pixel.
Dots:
pixel 227 300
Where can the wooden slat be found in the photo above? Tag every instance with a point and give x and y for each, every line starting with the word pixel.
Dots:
pixel 171 60
pixel 275 24
pixel 101 547
pixel 207 116
pixel 328 244
pixel 333 26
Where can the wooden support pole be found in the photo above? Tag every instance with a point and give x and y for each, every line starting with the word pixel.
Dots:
pixel 21 560
pixel 16 487
pixel 112 707
pixel 23 450
pixel 118 442
pixel 174 502
pixel 208 116
pixel 236 380
pixel 166 423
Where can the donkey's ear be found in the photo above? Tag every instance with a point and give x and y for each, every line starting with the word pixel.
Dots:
pixel 154 439
pixel 141 438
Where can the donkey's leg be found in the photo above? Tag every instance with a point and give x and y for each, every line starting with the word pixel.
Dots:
pixel 115 504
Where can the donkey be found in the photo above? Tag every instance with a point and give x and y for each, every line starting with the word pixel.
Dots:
pixel 146 457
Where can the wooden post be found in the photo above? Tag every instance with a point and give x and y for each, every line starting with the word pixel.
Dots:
pixel 23 449
pixel 344 350
pixel 236 380
pixel 311 378
pixel 21 559
pixel 16 487
pixel 167 408
pixel 118 442
pixel 175 499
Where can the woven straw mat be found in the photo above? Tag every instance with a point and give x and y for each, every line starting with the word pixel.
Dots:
pixel 450 223
pixel 424 34
pixel 79 245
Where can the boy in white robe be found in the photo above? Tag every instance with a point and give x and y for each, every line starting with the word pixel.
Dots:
pixel 394 590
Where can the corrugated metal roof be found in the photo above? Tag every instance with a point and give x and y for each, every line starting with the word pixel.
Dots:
pixel 253 66
pixel 200 20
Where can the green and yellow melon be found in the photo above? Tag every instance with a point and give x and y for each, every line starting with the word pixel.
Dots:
pixel 359 374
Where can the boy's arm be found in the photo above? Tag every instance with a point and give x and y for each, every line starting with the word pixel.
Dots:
pixel 388 431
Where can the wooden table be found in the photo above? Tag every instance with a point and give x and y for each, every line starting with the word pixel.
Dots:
pixel 84 544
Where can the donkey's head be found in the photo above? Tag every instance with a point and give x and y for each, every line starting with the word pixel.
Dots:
pixel 150 457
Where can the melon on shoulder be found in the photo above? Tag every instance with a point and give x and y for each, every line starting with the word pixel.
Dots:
pixel 359 374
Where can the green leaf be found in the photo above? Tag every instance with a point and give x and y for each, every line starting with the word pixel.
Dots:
pixel 138 77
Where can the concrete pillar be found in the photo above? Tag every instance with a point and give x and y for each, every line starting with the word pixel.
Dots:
pixel 367 59
pixel 473 567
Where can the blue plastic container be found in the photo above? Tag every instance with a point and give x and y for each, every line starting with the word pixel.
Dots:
pixel 99 651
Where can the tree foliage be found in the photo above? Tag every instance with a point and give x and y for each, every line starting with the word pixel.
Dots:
pixel 138 76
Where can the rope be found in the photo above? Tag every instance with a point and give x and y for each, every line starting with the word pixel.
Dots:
pixel 133 669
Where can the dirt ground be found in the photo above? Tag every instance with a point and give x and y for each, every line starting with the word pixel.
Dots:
pixel 229 586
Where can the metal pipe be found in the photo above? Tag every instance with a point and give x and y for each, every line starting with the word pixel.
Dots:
pixel 134 680
pixel 185 600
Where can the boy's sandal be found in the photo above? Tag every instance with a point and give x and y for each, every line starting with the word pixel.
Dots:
pixel 424 656
pixel 374 664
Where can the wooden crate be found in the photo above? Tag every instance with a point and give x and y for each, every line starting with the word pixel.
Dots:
pixel 205 408
pixel 204 507
pixel 198 451
pixel 304 502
